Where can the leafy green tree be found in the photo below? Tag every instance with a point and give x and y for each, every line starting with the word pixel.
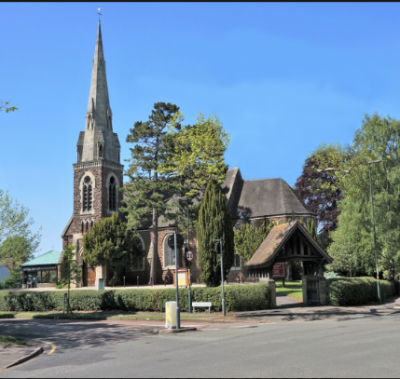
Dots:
pixel 16 250
pixel 319 188
pixel 17 241
pixel 197 157
pixel 70 270
pixel 214 223
pixel 352 246
pixel 112 243
pixel 146 196
pixel 4 105
pixel 248 239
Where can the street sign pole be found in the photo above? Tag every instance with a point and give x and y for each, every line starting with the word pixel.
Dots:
pixel 222 276
pixel 178 318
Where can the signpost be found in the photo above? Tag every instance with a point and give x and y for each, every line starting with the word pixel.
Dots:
pixel 175 241
pixel 189 258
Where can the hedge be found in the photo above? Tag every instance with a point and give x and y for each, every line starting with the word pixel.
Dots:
pixel 357 291
pixel 237 298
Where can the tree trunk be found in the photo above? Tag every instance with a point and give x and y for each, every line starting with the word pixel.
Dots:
pixel 154 252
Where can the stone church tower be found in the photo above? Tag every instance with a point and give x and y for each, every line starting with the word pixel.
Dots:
pixel 97 172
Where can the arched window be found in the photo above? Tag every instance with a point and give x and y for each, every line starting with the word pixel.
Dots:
pixel 82 227
pixel 100 151
pixel 87 194
pixel 112 195
pixel 91 225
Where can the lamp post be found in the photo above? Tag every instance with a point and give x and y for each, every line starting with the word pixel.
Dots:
pixel 178 318
pixel 378 287
pixel 222 276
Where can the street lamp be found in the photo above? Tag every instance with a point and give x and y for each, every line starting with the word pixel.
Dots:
pixel 222 276
pixel 373 227
pixel 178 318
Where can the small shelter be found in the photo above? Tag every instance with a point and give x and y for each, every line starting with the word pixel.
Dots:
pixel 42 271
pixel 291 242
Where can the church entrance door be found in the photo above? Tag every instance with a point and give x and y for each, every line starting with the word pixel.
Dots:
pixel 88 275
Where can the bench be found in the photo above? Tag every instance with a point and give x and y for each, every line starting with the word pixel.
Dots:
pixel 202 305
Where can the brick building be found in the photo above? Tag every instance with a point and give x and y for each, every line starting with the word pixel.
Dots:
pixel 98 173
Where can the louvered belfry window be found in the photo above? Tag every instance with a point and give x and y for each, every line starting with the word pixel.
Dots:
pixel 87 194
pixel 112 195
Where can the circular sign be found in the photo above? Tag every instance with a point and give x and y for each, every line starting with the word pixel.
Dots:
pixel 179 241
pixel 189 256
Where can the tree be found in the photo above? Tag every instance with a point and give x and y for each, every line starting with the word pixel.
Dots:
pixel 214 223
pixel 16 250
pixel 111 243
pixel 17 242
pixel 352 246
pixel 70 270
pixel 248 239
pixel 146 196
pixel 320 189
pixel 197 157
pixel 3 105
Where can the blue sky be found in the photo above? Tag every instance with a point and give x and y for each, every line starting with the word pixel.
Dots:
pixel 283 78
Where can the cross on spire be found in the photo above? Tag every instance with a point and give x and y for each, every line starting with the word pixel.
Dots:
pixel 98 12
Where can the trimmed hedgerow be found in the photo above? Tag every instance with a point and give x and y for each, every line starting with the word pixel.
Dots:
pixel 357 291
pixel 237 298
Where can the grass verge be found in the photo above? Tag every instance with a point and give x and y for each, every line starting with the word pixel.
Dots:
pixel 9 340
pixel 291 289
pixel 94 316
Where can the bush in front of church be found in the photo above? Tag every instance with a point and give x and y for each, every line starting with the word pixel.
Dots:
pixel 237 297
pixel 357 291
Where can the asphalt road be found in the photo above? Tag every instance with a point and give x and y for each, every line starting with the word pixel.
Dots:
pixel 366 347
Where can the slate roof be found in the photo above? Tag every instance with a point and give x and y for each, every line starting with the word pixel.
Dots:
pixel 277 237
pixel 268 197
pixel 50 258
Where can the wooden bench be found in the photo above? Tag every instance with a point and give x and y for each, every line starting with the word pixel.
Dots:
pixel 202 305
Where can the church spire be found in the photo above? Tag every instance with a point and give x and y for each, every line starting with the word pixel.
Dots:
pixel 99 103
pixel 99 140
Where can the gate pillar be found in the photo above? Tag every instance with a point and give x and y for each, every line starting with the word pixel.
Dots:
pixel 272 288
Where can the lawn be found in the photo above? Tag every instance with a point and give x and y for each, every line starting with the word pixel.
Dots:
pixel 8 340
pixel 292 289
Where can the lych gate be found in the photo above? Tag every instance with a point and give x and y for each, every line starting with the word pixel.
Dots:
pixel 292 244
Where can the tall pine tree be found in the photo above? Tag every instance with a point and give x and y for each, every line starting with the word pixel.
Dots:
pixel 214 222
pixel 145 197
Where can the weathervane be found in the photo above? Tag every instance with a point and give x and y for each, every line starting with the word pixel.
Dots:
pixel 98 12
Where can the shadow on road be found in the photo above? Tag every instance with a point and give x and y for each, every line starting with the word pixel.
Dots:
pixel 71 334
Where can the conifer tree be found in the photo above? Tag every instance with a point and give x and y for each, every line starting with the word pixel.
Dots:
pixel 146 196
pixel 248 239
pixel 214 222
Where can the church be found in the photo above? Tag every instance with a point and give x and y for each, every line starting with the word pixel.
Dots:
pixel 98 173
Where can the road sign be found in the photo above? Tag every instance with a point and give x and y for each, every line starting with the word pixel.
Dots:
pixel 189 255
pixel 179 241
pixel 278 271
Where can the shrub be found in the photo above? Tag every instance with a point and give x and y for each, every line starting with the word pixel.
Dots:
pixel 237 298
pixel 357 291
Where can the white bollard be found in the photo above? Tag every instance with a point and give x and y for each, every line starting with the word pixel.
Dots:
pixel 170 315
